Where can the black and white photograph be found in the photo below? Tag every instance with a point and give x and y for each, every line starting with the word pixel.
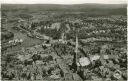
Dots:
pixel 63 40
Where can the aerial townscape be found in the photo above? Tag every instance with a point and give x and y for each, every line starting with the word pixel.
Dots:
pixel 52 42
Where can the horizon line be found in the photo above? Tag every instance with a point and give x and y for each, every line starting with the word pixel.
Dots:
pixel 63 4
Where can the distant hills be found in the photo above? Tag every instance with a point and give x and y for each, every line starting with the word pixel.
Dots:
pixel 118 8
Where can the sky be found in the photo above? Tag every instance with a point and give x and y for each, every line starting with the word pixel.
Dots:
pixel 63 1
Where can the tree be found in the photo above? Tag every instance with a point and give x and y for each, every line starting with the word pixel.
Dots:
pixel 25 16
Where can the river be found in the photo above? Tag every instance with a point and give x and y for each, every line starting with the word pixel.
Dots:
pixel 27 41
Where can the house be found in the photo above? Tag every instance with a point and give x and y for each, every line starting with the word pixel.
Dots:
pixel 55 26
